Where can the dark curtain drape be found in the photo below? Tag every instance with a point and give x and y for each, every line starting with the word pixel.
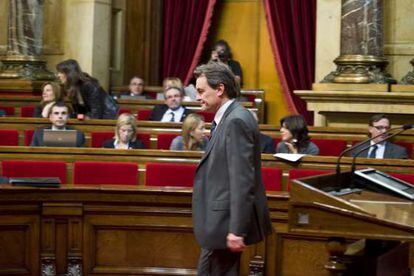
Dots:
pixel 292 29
pixel 186 25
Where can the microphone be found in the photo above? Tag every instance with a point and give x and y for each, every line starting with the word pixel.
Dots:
pixel 402 128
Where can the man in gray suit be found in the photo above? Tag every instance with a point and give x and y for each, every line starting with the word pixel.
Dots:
pixel 378 125
pixel 229 201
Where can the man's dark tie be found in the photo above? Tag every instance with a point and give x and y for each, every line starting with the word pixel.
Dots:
pixel 212 128
pixel 172 117
pixel 373 152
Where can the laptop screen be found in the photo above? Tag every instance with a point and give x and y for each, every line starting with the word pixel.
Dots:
pixel 59 138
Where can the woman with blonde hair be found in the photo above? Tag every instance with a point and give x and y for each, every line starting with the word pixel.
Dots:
pixel 125 134
pixel 193 137
pixel 51 93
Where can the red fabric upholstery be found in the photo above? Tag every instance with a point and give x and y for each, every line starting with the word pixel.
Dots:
pixel 208 116
pixel 9 137
pixel 143 114
pixel 24 168
pixel 124 110
pixel 407 177
pixel 300 173
pixel 100 173
pixel 276 141
pixel 167 174
pixel 330 147
pixel 164 140
pixel 28 134
pixel 27 111
pixel 272 178
pixel 98 138
pixel 8 109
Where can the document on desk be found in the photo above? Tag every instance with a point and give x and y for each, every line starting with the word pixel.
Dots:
pixel 292 157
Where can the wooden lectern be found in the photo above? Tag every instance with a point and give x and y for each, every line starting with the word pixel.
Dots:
pixel 368 231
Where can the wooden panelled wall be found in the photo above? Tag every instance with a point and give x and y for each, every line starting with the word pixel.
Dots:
pixel 143 40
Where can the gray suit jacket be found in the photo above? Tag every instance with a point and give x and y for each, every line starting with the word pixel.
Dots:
pixel 228 194
pixel 392 151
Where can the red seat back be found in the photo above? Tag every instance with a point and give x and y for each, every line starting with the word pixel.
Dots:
pixel 143 114
pixel 164 140
pixel 24 168
pixel 300 173
pixel 98 138
pixel 124 110
pixel 9 137
pixel 272 178
pixel 408 146
pixel 208 116
pixel 8 109
pixel 168 174
pixel 100 173
pixel 27 111
pixel 28 134
pixel 407 177
pixel 330 147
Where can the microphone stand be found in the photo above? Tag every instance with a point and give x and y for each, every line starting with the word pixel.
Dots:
pixel 338 167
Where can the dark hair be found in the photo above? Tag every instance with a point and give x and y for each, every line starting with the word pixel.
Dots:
pixel 296 124
pixel 378 117
pixel 219 73
pixel 226 51
pixel 59 104
pixel 75 76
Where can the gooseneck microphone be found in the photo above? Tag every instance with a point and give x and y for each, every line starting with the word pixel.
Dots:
pixel 338 162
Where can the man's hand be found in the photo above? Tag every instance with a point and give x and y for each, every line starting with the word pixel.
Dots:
pixel 235 243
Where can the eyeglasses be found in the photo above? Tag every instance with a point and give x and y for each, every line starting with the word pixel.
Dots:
pixel 382 127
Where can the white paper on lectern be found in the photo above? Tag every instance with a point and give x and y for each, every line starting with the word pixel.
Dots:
pixel 292 157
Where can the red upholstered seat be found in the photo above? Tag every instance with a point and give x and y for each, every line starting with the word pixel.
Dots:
pixel 276 141
pixel 97 173
pixel 300 173
pixel 8 109
pixel 24 168
pixel 407 177
pixel 164 140
pixel 124 110
pixel 330 147
pixel 27 111
pixel 98 138
pixel 9 137
pixel 272 178
pixel 143 114
pixel 28 134
pixel 208 116
pixel 168 174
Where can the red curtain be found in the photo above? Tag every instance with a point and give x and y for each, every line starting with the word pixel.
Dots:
pixel 292 29
pixel 186 25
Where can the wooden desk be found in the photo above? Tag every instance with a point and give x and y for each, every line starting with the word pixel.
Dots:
pixel 111 230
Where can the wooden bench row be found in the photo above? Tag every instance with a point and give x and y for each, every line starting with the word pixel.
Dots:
pixel 153 129
pixel 18 105
pixel 143 157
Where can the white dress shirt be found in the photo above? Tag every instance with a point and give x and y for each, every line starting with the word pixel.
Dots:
pixel 178 113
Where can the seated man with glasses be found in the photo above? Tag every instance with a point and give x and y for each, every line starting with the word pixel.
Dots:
pixel 378 125
pixel 172 110
pixel 136 90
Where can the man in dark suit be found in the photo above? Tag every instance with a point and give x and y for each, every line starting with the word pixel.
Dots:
pixel 136 89
pixel 58 116
pixel 172 110
pixel 378 125
pixel 229 200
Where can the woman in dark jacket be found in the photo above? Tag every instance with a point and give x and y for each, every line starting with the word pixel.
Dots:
pixel 85 93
